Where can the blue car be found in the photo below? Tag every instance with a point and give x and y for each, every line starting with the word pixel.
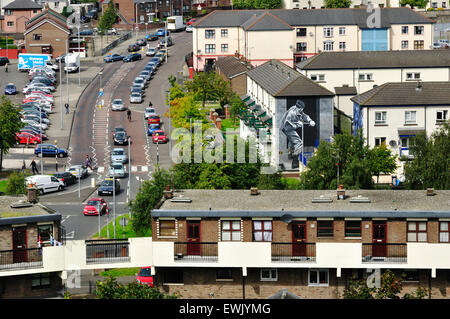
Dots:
pixel 132 57
pixel 50 150
pixel 152 128
pixel 113 58
pixel 161 33
pixel 156 61
pixel 87 32
pixel 10 89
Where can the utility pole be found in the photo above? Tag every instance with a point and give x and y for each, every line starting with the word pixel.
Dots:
pixel 98 211
pixel 114 200
pixel 67 74
pixel 129 176
pixel 60 93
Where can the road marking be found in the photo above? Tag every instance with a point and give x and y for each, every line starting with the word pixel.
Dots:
pixel 144 168
pixel 134 168
pixel 100 169
pixel 70 235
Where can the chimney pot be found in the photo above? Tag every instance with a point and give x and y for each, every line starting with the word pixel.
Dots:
pixel 341 192
pixel 430 192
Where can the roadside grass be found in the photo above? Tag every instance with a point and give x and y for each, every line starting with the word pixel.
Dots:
pixel 129 232
pixel 230 123
pixel 3 185
pixel 120 272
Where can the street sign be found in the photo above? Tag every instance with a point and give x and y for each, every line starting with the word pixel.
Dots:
pixel 100 93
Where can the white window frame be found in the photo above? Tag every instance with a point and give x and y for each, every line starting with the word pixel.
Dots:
pixel 328 32
pixel 405 45
pixel 224 33
pixel 273 274
pixel 413 76
pixel 224 47
pixel 318 284
pixel 210 48
pixel 383 119
pixel 328 46
pixel 342 46
pixel 230 230
pixel 410 117
pixel 342 30
pixel 380 140
pixel 365 77
pixel 318 77
pixel 444 116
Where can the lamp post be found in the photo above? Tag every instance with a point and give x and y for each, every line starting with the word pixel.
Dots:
pixel 129 175
pixel 100 73
pixel 99 213
pixel 170 125
pixel 67 75
pixel 79 68
pixel 60 92
pixel 165 43
pixel 114 201
pixel 136 25
pixel 40 134
pixel 56 155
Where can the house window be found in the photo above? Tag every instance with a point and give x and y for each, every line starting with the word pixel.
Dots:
pixel 366 77
pixel 262 230
pixel 324 228
pixel 167 3
pixel 380 117
pixel 56 4
pixel 412 76
pixel 434 5
pixel 352 228
pixel 410 117
pixel 167 228
pixel 224 33
pixel 417 231
pixel 405 45
pixel 327 32
pixel 44 232
pixel 318 77
pixel 231 230
pixel 444 232
pixel 224 47
pixel 34 11
pixel 341 45
pixel 318 277
pixel 210 34
pixel 341 30
pixel 210 48
pixel 301 46
pixel 10 24
pixel 224 274
pixel 328 46
pixel 37 37
pixel 404 29
pixel 418 44
pixel 441 116
pixel 173 276
pixel 40 281
pixel 301 32
pixel 268 274
pixel 380 141
pixel 418 30
pixel 8 12
pixel 444 5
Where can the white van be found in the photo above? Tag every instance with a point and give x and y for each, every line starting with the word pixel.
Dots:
pixel 45 183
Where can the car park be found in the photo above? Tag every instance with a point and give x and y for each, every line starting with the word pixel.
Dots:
pixel 151 52
pixel 152 128
pixel 159 137
pixel 34 123
pixel 151 37
pixel 27 138
pixel 113 58
pixel 133 48
pixel 141 42
pixel 117 170
pixel 36 107
pixel 118 105
pixel 118 155
pixel 136 97
pixel 45 183
pixel 106 187
pixel 66 178
pixel 40 95
pixel 148 112
pixel 120 138
pixel 10 89
pixel 154 119
pixel 43 79
pixel 50 150
pixel 132 57
pixel 144 276
pixel 79 171
pixel 95 204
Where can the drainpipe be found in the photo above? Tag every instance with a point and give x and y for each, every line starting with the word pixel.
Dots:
pixel 244 274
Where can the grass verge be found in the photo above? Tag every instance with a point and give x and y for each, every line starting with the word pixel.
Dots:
pixel 129 232
pixel 120 272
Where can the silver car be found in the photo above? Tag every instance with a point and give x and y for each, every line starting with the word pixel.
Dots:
pixel 117 105
pixel 119 155
pixel 138 80
pixel 151 52
pixel 117 170
pixel 135 98
pixel 146 75
pixel 79 171
pixel 149 111
pixel 31 122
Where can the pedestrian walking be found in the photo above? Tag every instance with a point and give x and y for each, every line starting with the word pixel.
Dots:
pixel 34 167
pixel 88 162
pixel 67 108
pixel 150 104
pixel 129 115
pixel 24 167
pixel 6 67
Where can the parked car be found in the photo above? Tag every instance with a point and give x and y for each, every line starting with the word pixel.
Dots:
pixel 117 105
pixel 151 37
pixel 87 32
pixel 133 48
pixel 66 178
pixel 34 132
pixel 164 52
pixel 35 117
pixel 132 57
pixel 437 45
pixel 160 56
pixel 61 58
pixel 27 138
pixel 136 97
pixel 145 277
pixel 111 31
pixel 191 21
pixel 137 89
pixel 154 119
pixel 113 58
pixel 45 183
pixel 162 42
pixel 50 150
pixel 117 170
pixel 148 112
pixel 35 123
pixel 118 129
pixel 51 65
pixel 38 86
pixel 189 28
pixel 156 61
pixel 161 33
pixel 79 171
pixel 159 137
pixel 119 155
pixel 10 89
pixel 139 81
pixel 3 60
pixel 141 42
pixel 152 128
pixel 120 138
pixel 95 204
pixel 146 75
pixel 151 52
pixel 106 187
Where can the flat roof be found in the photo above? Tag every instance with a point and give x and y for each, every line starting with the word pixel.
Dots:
pixel 28 213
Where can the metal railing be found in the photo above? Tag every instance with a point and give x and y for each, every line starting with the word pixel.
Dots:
pixel 384 252
pixel 115 43
pixel 21 259
pixel 107 251
pixel 294 252
pixel 196 251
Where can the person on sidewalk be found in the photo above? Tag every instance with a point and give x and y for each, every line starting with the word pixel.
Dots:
pixel 34 167
pixel 89 162
pixel 150 104
pixel 129 115
pixel 24 167
pixel 6 67
pixel 67 108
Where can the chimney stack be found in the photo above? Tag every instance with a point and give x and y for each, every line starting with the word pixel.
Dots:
pixel 341 192
pixel 168 193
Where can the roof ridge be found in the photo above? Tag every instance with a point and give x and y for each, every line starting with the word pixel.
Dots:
pixel 257 20
pixel 277 18
pixel 375 90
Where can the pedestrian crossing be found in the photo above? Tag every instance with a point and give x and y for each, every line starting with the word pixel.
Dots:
pixel 134 169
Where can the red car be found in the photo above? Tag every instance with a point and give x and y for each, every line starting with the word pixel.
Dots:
pixel 27 138
pixel 33 99
pixel 191 21
pixel 159 136
pixel 154 119
pixel 40 92
pixel 145 276
pixel 90 208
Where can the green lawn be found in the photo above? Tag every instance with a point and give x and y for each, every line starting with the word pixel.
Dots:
pixel 120 272
pixel 3 186
pixel 230 123
pixel 129 233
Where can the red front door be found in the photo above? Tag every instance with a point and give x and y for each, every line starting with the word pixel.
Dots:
pixel 299 239
pixel 379 238
pixel 193 238
pixel 19 244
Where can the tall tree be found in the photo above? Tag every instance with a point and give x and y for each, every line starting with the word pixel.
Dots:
pixel 414 3
pixel 108 18
pixel 382 160
pixel 338 3
pixel 10 123
pixel 209 86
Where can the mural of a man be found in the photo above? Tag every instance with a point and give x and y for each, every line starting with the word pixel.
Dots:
pixel 293 119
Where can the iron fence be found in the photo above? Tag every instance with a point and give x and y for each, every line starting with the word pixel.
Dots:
pixel 294 252
pixel 384 252
pixel 107 251
pixel 21 259
pixel 196 251
pixel 115 43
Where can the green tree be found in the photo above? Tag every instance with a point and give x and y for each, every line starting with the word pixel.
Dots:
pixel 257 4
pixel 338 3
pixel 414 3
pixel 381 160
pixel 16 184
pixel 108 19
pixel 184 107
pixel 209 86
pixel 430 166
pixel 10 123
pixel 65 13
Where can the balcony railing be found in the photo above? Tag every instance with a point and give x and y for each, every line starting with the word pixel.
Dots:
pixel 107 251
pixel 21 259
pixel 196 252
pixel 293 252
pixel 384 252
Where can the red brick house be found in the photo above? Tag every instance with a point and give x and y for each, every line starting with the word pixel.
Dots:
pixel 17 13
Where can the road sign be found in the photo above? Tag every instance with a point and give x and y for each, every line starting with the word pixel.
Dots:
pixel 100 93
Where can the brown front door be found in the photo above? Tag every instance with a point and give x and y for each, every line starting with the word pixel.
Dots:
pixel 19 244
pixel 299 239
pixel 379 239
pixel 193 238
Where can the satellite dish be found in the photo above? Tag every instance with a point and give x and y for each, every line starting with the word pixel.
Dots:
pixel 393 143
pixel 287 218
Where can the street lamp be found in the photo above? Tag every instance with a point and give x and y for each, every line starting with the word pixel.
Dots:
pixel 60 92
pixel 56 155
pixel 114 200
pixel 67 75
pixel 165 42
pixel 40 133
pixel 129 176
pixel 98 212
pixel 170 124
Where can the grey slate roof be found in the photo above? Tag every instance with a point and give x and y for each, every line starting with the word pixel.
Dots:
pixel 231 66
pixel 278 79
pixel 345 90
pixel 22 5
pixel 265 22
pixel 377 59
pixel 402 94
pixel 351 16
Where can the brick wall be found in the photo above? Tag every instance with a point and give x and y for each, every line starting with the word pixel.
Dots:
pixel 239 84
pixel 396 231
pixel 20 287
pixel 49 35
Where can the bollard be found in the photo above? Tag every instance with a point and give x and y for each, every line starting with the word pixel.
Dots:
pixel 92 182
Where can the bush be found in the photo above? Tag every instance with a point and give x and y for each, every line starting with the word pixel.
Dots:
pixel 16 184
pixel 430 9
